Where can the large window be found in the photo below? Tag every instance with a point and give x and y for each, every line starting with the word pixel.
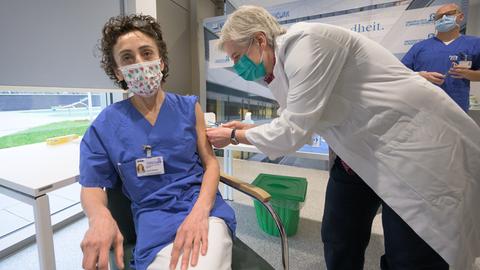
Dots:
pixel 233 107
pixel 28 117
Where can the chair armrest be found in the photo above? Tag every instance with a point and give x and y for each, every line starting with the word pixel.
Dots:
pixel 246 188
pixel 264 198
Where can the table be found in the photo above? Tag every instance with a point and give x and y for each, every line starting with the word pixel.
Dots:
pixel 307 151
pixel 28 172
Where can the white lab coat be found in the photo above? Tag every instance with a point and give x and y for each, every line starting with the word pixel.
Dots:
pixel 401 134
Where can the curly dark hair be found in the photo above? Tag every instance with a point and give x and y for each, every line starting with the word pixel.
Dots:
pixel 121 25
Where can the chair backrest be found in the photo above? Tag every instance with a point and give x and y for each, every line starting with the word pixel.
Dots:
pixel 119 206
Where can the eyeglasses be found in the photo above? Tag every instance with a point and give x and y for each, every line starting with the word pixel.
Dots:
pixel 448 13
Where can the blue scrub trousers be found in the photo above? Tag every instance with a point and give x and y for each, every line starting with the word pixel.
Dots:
pixel 350 206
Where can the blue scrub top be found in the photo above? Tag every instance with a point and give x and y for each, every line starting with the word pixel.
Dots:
pixel 434 56
pixel 160 203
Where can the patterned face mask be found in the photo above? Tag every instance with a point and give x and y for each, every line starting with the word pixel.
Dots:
pixel 143 79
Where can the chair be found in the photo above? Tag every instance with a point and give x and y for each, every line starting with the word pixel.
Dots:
pixel 243 257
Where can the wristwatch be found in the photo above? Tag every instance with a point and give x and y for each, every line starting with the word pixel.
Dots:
pixel 233 139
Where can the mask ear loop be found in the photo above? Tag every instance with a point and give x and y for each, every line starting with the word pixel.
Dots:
pixel 261 55
pixel 248 49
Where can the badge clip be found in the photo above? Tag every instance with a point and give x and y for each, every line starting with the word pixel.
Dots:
pixel 148 150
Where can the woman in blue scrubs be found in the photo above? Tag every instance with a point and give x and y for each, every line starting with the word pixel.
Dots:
pixel 178 211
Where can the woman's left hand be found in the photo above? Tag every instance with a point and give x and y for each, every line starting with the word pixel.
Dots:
pixel 192 237
pixel 219 137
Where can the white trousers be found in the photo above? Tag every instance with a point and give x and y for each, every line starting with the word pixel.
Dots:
pixel 219 253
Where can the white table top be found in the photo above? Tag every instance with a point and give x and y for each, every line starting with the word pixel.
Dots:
pixel 298 153
pixel 36 169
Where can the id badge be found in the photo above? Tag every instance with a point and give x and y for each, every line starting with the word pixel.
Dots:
pixel 149 166
pixel 464 64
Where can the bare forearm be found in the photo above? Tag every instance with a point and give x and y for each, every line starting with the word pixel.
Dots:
pixel 474 75
pixel 241 136
pixel 209 188
pixel 103 232
pixel 94 203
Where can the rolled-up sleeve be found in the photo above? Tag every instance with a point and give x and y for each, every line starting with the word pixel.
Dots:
pixel 312 66
pixel 96 169
pixel 409 58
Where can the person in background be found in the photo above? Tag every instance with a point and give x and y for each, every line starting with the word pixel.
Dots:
pixel 449 60
pixel 178 212
pixel 409 146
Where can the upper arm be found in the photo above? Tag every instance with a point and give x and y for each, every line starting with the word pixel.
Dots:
pixel 96 168
pixel 312 66
pixel 203 145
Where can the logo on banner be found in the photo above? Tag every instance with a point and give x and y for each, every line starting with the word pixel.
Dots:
pixel 418 22
pixel 363 28
pixel 281 14
pixel 413 41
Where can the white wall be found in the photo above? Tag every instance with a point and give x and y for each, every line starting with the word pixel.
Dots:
pixel 146 7
pixel 181 22
pixel 174 17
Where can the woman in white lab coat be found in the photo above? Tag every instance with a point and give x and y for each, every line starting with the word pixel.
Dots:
pixel 411 144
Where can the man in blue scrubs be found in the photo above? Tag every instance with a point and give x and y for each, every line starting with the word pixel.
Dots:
pixel 449 60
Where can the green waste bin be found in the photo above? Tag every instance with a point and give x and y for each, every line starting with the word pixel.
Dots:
pixel 288 194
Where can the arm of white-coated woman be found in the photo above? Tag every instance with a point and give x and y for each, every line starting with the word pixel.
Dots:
pixel 238 125
pixel 220 136
pixel 102 232
pixel 192 235
pixel 312 65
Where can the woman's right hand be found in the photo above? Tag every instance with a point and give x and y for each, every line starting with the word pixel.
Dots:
pixel 238 125
pixel 102 234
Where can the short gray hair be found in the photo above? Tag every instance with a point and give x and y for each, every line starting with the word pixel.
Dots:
pixel 242 24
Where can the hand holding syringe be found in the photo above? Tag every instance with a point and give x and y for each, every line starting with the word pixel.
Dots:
pixel 461 69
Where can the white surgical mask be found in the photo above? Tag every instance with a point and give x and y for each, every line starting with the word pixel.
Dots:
pixel 143 79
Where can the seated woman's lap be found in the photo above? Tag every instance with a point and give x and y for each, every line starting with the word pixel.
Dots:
pixel 219 254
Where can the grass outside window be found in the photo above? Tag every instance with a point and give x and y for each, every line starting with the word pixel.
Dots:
pixel 41 133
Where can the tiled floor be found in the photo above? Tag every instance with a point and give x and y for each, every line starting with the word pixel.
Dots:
pixel 10 222
pixel 306 249
pixel 15 214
